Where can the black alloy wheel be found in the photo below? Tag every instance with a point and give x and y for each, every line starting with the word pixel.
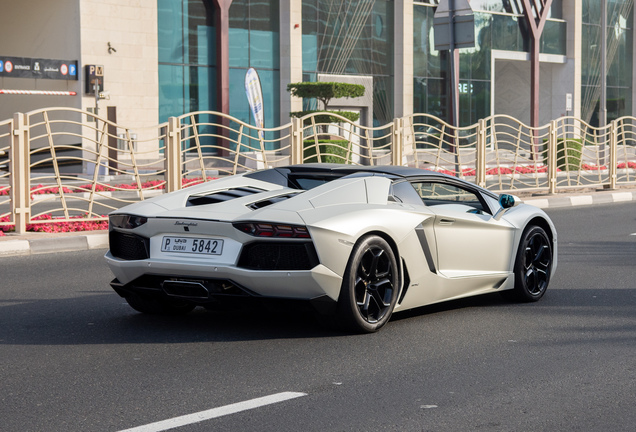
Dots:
pixel 370 286
pixel 533 265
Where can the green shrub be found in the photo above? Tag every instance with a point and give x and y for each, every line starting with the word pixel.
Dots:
pixel 331 151
pixel 325 118
pixel 569 152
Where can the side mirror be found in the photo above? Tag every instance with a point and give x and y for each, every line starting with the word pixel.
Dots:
pixel 506 202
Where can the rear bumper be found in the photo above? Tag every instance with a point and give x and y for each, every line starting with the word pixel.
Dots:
pixel 205 292
pixel 289 284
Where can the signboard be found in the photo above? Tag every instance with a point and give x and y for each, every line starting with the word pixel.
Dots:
pixel 462 25
pixel 255 97
pixel 94 74
pixel 24 67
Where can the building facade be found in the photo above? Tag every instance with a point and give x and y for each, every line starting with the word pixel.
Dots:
pixel 164 58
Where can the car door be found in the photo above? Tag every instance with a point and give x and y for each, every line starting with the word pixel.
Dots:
pixel 470 241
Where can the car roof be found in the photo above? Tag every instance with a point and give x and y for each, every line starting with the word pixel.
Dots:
pixel 342 169
pixel 289 176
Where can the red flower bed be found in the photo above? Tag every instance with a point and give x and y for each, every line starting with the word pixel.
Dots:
pixel 530 169
pixel 624 165
pixel 589 167
pixel 149 185
pixel 81 225
pixel 57 227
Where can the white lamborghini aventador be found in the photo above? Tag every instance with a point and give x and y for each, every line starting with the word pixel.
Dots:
pixel 357 243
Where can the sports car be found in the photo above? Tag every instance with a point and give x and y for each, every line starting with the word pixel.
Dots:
pixel 357 243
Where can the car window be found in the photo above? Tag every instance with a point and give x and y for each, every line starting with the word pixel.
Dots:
pixel 403 192
pixel 434 193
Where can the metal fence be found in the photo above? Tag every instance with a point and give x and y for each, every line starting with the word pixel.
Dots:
pixel 70 165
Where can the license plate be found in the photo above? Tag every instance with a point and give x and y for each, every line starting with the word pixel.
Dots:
pixel 204 246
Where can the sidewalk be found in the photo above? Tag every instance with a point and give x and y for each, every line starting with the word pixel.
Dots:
pixel 38 243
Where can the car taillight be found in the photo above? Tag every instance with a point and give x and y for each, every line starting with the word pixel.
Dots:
pixel 273 230
pixel 126 221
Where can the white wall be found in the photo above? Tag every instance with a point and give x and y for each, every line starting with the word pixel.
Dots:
pixel 130 73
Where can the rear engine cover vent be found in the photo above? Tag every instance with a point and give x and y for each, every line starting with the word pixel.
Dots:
pixel 222 196
pixel 273 200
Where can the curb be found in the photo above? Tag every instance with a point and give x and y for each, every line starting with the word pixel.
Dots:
pixel 556 201
pixel 67 243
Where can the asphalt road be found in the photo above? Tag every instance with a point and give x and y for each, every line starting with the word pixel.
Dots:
pixel 74 357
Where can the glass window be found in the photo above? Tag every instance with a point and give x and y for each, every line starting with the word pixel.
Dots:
pixel 434 194
pixel 426 59
pixel 264 36
pixel 619 57
pixel 264 49
pixel 171 84
pixel 512 7
pixel 199 32
pixel 352 38
pixel 239 107
pixel 479 100
pixel 239 40
pixel 254 35
pixel 506 33
pixel 553 38
pixel 254 42
pixel 187 56
pixel 403 191
pixel 498 25
pixel 239 34
pixel 170 31
pixel 310 52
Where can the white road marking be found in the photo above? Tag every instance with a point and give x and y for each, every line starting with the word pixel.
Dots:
pixel 215 412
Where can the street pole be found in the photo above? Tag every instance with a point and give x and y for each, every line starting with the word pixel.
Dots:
pixel 603 102
pixel 602 115
pixel 454 83
pixel 97 149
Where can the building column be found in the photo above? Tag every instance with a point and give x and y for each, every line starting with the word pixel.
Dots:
pixel 633 113
pixel 573 15
pixel 291 56
pixel 223 54
pixel 403 58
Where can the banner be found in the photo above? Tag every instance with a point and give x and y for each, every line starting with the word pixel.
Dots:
pixel 255 97
pixel 23 67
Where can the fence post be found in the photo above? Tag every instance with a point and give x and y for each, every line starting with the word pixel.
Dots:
pixel 613 149
pixel 552 157
pixel 296 152
pixel 19 173
pixel 398 141
pixel 173 153
pixel 480 168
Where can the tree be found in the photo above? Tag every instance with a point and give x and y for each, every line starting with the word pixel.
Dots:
pixel 324 92
pixel 326 150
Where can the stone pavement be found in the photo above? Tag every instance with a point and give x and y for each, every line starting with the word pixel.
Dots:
pixel 37 243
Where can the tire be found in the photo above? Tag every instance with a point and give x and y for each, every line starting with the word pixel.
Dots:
pixel 369 287
pixel 158 306
pixel 533 266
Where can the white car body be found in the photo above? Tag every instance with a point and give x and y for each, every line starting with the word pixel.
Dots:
pixel 444 250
